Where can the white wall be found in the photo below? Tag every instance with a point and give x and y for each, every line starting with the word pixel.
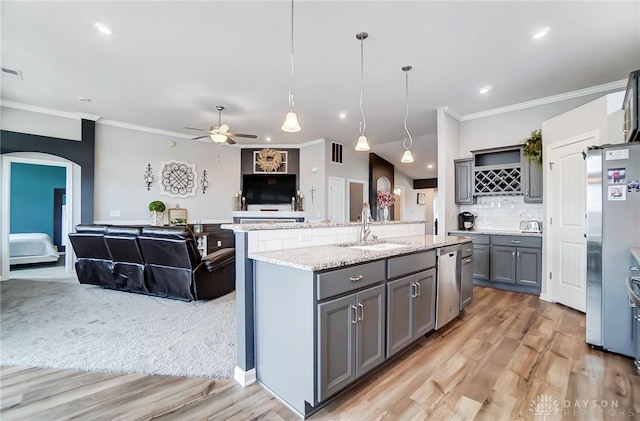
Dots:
pixel 513 127
pixel 121 159
pixel 448 150
pixel 21 121
pixel 412 211
pixel 313 175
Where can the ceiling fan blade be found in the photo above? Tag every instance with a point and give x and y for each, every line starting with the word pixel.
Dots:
pixel 231 141
pixel 193 128
pixel 250 136
pixel 199 137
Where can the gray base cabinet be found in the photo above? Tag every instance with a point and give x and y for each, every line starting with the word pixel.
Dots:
pixel 411 309
pixel 466 281
pixel 503 264
pixel 528 266
pixel 481 262
pixel 351 339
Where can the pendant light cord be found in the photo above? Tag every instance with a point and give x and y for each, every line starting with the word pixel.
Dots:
pixel 404 142
pixel 291 102
pixel 363 123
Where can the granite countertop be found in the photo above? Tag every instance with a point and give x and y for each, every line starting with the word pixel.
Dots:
pixel 298 225
pixel 635 252
pixel 333 256
pixel 496 232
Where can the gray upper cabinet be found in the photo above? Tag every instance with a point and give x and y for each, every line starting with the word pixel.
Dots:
pixel 532 181
pixel 463 181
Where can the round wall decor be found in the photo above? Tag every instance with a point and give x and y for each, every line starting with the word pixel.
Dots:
pixel 269 160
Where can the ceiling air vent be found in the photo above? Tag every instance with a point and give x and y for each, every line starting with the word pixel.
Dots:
pixel 12 73
pixel 336 152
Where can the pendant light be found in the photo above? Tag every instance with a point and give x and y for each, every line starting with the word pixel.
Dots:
pixel 291 124
pixel 407 156
pixel 363 144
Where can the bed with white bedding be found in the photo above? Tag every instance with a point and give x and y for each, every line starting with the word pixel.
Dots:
pixel 33 247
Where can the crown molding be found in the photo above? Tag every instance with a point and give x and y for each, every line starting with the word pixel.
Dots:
pixel 38 109
pixel 620 84
pixel 128 126
pixel 86 116
pixel 448 110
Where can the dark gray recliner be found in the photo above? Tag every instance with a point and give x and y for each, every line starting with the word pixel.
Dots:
pixel 94 265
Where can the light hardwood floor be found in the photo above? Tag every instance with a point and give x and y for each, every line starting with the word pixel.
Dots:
pixel 506 354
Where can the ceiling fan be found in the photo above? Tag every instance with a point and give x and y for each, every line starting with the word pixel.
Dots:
pixel 221 133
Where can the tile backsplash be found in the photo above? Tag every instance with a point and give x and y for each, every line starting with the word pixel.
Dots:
pixel 503 212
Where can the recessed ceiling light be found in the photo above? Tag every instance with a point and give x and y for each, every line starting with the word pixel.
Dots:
pixel 540 33
pixel 84 99
pixel 430 166
pixel 485 89
pixel 342 115
pixel 268 139
pixel 103 28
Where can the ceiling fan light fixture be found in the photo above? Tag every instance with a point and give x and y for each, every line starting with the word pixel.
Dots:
pixel 291 124
pixel 363 144
pixel 218 137
pixel 407 157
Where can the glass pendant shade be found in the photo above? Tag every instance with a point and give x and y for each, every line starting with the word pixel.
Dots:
pixel 363 144
pixel 218 138
pixel 407 157
pixel 291 124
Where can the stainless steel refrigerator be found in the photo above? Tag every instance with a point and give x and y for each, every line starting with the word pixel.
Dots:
pixel 613 226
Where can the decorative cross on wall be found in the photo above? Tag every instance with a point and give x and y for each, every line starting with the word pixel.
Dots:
pixel 312 191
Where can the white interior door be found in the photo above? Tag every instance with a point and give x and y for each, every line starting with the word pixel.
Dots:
pixel 336 205
pixel 567 245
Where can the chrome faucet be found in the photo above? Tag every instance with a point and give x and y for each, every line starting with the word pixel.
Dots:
pixel 365 217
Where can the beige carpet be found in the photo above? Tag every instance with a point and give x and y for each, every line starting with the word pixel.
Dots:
pixel 83 327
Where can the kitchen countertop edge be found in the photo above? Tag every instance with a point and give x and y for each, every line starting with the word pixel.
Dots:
pixel 496 232
pixel 318 258
pixel 303 225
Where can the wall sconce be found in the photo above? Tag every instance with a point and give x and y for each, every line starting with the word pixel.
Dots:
pixel 148 177
pixel 204 182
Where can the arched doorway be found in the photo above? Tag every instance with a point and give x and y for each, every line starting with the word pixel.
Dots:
pixel 72 210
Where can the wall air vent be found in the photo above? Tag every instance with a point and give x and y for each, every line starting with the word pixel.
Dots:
pixel 336 152
pixel 12 73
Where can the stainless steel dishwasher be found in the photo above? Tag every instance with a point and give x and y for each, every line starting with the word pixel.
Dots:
pixel 448 288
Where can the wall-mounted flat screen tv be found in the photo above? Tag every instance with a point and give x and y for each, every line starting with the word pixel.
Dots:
pixel 268 189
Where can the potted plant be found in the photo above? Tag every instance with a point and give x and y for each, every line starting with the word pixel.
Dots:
pixel 157 209
pixel 533 147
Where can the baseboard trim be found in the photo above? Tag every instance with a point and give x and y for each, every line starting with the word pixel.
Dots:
pixel 546 297
pixel 244 378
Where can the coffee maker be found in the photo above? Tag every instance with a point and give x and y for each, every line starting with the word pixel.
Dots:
pixel 466 221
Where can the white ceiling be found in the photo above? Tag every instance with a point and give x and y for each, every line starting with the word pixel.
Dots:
pixel 168 64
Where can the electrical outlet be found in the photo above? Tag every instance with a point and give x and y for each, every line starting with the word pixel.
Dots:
pixel 114 213
pixel 305 237
pixel 219 243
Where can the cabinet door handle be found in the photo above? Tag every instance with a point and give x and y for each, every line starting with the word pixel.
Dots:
pixel 634 268
pixel 418 289
pixel 516 241
pixel 518 254
pixel 631 303
pixel 637 317
pixel 414 290
pixel 354 314
pixel 468 260
pixel 361 311
pixel 357 278
pixel 513 254
pixel 467 249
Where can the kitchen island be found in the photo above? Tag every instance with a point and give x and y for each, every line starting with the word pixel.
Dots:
pixel 326 316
